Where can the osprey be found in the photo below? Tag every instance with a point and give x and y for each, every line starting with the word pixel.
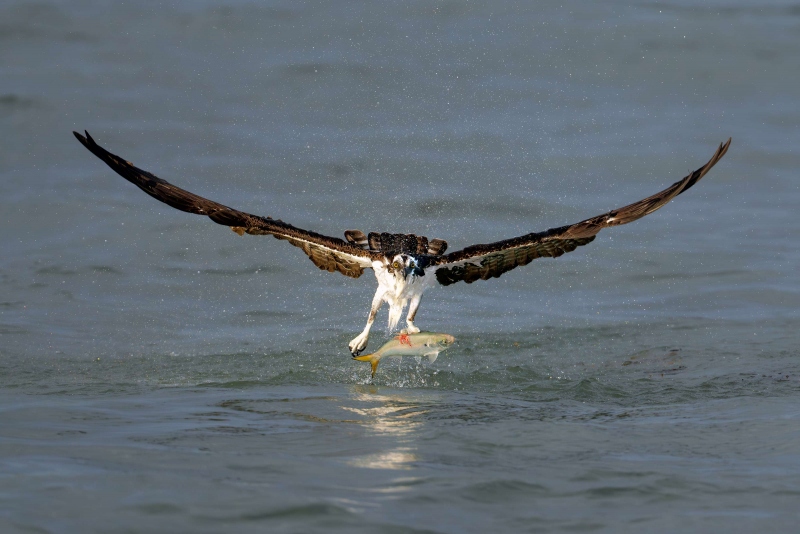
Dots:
pixel 405 265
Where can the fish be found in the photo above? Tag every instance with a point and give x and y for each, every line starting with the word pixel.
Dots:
pixel 428 344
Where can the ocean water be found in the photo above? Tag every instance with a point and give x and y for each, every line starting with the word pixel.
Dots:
pixel 159 373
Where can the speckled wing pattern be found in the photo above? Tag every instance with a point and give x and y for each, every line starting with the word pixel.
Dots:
pixel 481 262
pixel 327 253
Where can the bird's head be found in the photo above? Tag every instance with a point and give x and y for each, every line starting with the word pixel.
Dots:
pixel 405 267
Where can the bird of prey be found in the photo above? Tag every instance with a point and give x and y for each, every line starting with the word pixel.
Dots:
pixel 405 265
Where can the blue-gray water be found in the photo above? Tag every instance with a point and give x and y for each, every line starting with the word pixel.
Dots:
pixel 159 373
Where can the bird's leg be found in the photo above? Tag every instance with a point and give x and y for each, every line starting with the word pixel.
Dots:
pixel 359 343
pixel 412 312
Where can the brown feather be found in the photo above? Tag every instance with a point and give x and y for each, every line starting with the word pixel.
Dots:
pixel 391 244
pixel 436 247
pixel 351 257
pixel 328 253
pixel 480 262
pixel 357 237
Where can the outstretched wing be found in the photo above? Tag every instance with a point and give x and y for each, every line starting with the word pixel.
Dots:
pixel 481 262
pixel 327 253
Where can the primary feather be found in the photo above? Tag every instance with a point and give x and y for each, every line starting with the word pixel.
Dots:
pixel 405 265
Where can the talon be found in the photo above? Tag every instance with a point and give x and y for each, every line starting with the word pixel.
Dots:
pixel 357 345
pixel 360 342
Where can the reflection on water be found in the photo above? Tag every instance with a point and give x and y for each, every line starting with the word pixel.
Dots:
pixel 398 458
pixel 397 418
pixel 650 378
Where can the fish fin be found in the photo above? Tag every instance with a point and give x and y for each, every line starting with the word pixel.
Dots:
pixel 372 359
pixel 432 356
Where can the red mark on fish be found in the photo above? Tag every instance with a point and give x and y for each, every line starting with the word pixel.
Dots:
pixel 404 339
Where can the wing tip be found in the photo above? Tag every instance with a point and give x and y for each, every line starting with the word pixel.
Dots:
pixel 86 141
pixel 721 151
pixel 723 147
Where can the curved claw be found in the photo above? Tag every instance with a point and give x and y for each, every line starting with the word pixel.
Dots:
pixel 412 329
pixel 358 344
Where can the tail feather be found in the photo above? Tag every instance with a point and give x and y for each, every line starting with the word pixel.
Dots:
pixel 395 312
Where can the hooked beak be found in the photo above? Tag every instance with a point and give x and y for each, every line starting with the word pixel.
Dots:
pixel 413 270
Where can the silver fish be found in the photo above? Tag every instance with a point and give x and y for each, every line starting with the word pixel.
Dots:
pixel 428 344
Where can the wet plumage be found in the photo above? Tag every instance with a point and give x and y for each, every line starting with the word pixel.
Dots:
pixel 405 265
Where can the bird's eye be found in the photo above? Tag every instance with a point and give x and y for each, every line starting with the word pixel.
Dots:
pixel 396 265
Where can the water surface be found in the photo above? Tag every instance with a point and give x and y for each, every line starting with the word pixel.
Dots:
pixel 160 374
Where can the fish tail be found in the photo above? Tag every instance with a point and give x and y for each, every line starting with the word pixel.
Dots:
pixel 373 359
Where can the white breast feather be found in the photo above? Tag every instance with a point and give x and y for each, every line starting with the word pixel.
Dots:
pixel 397 291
